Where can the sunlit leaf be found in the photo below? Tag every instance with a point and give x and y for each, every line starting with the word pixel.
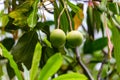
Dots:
pixel 47 42
pixel 51 67
pixel 71 76
pixel 32 19
pixel 20 19
pixel 117 18
pixel 74 7
pixel 35 61
pixel 13 64
pixel 4 20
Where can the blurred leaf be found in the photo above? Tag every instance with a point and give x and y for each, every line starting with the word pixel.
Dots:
pixel 117 18
pixel 78 19
pixel 56 12
pixel 32 19
pixel 51 67
pixel 45 26
pixel 7 41
pixel 10 71
pixel 47 52
pixel 7 55
pixel 91 46
pixel 102 5
pixel 75 8
pixel 41 25
pixel 4 20
pixel 97 19
pixel 90 21
pixel 113 7
pixel 24 49
pixel 71 76
pixel 105 70
pixel 35 61
pixel 88 46
pixel 47 42
pixel 100 43
pixel 116 43
pixel 1 71
pixel 64 24
pixel 20 19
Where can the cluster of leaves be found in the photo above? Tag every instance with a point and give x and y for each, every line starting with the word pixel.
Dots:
pixel 36 53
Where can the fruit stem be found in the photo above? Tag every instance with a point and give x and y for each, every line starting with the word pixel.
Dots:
pixel 60 17
pixel 65 5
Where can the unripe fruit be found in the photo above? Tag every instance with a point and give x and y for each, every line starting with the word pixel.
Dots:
pixel 74 39
pixel 58 38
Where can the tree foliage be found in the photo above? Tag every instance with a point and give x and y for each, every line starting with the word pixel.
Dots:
pixel 25 43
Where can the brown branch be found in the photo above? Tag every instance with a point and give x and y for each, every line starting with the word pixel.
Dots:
pixel 82 65
pixel 102 64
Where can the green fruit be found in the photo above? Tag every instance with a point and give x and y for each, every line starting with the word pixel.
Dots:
pixel 58 38
pixel 74 39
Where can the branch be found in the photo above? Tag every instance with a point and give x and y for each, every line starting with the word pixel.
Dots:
pixel 82 65
pixel 100 71
pixel 52 12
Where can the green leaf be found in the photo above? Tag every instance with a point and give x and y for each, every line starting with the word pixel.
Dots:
pixel 56 13
pixel 113 7
pixel 13 64
pixel 91 46
pixel 116 43
pixel 100 43
pixel 71 76
pixel 1 71
pixel 20 13
pixel 74 7
pixel 102 5
pixel 35 61
pixel 7 41
pixel 97 19
pixel 90 22
pixel 24 49
pixel 32 19
pixel 47 42
pixel 64 24
pixel 4 20
pixel 117 18
pixel 51 67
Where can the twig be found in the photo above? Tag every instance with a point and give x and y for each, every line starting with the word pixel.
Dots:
pixel 59 17
pixel 110 45
pixel 42 2
pixel 100 71
pixel 65 5
pixel 82 65
pixel 84 28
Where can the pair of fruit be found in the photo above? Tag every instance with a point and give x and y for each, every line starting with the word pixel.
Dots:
pixel 58 38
